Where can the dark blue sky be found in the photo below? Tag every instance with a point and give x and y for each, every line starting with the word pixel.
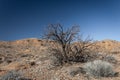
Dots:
pixel 21 19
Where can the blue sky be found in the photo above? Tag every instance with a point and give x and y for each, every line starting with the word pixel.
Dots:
pixel 21 19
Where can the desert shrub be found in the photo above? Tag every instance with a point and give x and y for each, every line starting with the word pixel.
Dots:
pixel 56 57
pixel 26 55
pixel 109 58
pixel 102 56
pixel 32 63
pixel 75 70
pixel 94 56
pixel 13 75
pixel 1 60
pixel 66 39
pixel 99 68
pixel 82 57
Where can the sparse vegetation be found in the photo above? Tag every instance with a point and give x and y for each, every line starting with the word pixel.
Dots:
pixel 99 68
pixel 57 59
pixel 13 75
pixel 64 38
pixel 76 70
pixel 67 50
pixel 109 58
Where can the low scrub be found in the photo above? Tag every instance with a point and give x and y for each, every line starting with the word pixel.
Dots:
pixel 13 75
pixel 109 58
pixel 99 68
pixel 56 58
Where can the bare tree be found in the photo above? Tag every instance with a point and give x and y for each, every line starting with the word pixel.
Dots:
pixel 57 33
pixel 65 38
pixel 82 49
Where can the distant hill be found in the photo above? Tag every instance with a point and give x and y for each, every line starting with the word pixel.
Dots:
pixel 104 45
pixel 108 45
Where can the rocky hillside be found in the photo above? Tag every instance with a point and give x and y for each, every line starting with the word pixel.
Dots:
pixel 32 58
pixel 108 46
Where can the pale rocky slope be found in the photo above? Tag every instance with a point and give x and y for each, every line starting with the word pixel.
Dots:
pixel 33 59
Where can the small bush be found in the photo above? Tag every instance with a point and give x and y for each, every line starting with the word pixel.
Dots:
pixel 103 56
pixel 99 68
pixel 13 75
pixel 57 58
pixel 76 70
pixel 80 58
pixel 110 58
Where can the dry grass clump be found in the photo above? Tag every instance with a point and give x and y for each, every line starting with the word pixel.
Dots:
pixel 103 56
pixel 99 68
pixel 109 58
pixel 13 75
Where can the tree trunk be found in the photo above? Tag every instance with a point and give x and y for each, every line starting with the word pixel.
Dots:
pixel 65 54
